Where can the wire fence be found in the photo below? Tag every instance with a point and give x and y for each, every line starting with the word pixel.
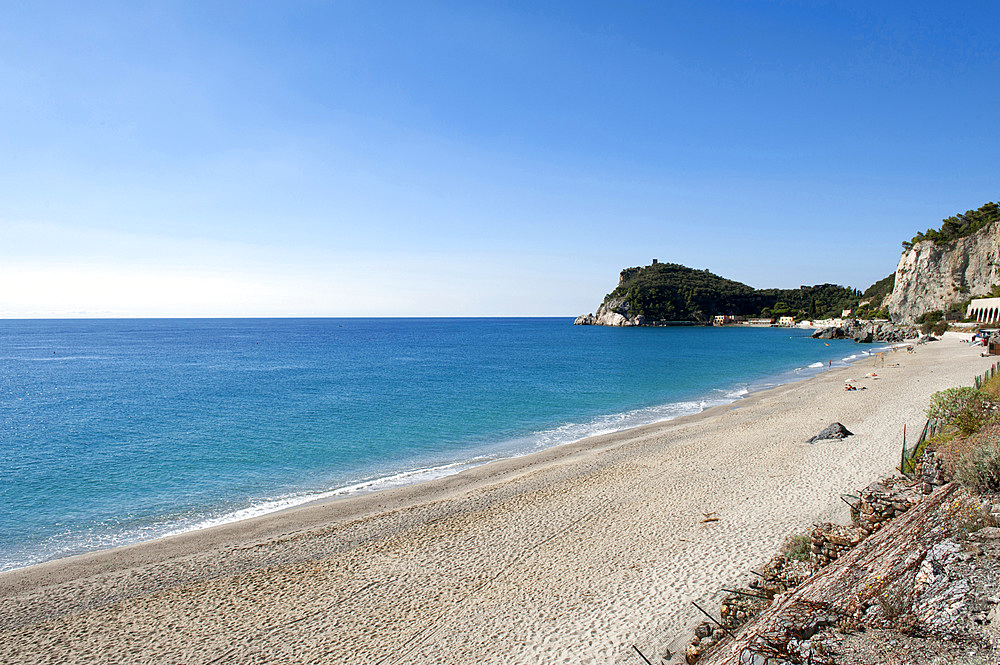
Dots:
pixel 990 373
pixel 910 453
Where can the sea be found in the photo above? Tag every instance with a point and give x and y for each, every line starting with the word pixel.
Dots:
pixel 114 431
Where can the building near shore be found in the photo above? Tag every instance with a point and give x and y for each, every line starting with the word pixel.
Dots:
pixel 984 310
pixel 826 323
pixel 759 322
pixel 786 321
pixel 726 319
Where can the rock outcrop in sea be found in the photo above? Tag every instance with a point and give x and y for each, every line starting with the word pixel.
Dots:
pixel 866 332
pixel 932 276
pixel 611 312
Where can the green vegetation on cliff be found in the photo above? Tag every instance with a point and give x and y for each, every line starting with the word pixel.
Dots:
pixel 874 296
pixel 672 292
pixel 958 226
pixel 878 291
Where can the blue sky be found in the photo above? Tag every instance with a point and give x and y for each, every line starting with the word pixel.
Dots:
pixel 460 158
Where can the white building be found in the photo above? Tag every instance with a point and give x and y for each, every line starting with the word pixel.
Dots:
pixel 786 321
pixel 984 310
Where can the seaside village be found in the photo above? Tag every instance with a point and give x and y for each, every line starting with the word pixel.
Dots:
pixel 980 311
pixel 914 576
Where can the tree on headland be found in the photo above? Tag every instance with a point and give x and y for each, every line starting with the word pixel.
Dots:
pixel 672 292
pixel 958 226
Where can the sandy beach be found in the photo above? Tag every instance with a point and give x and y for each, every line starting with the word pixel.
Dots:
pixel 570 555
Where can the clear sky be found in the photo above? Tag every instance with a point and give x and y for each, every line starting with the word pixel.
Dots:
pixel 475 158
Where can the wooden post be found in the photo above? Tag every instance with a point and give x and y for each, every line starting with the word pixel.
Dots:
pixel 902 454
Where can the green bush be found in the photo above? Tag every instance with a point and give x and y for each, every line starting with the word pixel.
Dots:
pixel 965 409
pixel 798 547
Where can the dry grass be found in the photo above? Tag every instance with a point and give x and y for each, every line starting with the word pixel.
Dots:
pixel 992 387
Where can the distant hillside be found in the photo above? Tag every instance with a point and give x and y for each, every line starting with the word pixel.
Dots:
pixel 880 290
pixel 676 293
pixel 875 299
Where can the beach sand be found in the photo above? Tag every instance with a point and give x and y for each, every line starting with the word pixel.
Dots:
pixel 570 555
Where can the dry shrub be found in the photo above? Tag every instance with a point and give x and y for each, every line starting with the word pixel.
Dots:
pixel 992 386
pixel 895 600
pixel 950 448
pixel 978 466
pixel 797 547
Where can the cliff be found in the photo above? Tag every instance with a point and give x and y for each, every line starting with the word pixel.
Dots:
pixel 931 275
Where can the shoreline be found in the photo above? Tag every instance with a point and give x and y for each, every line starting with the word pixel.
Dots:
pixel 345 493
pixel 497 452
pixel 519 555
pixel 364 504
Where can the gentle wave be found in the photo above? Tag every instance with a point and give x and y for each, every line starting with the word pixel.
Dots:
pixel 107 536
pixel 400 479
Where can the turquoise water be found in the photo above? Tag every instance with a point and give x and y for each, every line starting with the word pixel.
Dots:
pixel 115 431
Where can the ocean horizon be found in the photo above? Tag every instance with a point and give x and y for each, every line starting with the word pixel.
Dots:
pixel 123 430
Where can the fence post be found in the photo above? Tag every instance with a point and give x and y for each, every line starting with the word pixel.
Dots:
pixel 902 454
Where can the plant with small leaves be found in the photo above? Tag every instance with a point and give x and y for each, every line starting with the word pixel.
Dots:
pixel 965 408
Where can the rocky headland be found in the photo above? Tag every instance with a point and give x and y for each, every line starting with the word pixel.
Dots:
pixel 672 294
pixel 867 332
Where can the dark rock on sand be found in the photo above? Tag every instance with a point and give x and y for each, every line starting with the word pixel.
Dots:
pixel 834 431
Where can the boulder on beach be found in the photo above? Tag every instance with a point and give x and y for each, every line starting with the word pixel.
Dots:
pixel 834 431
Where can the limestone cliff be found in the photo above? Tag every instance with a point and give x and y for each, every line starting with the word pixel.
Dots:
pixel 932 276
